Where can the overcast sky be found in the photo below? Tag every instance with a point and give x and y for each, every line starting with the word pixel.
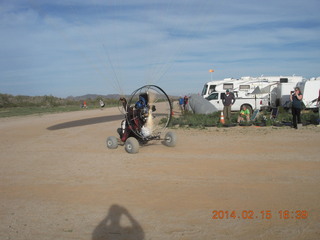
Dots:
pixel 75 47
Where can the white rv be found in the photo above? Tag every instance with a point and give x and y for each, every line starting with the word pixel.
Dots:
pixel 310 91
pixel 259 92
pixel 246 85
pixel 280 94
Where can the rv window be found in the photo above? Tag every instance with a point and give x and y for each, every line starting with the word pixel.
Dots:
pixel 213 96
pixel 283 80
pixel 244 87
pixel 228 86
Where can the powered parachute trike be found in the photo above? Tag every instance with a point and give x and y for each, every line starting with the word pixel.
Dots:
pixel 148 112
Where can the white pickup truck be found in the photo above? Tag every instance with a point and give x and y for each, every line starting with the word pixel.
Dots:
pixel 251 102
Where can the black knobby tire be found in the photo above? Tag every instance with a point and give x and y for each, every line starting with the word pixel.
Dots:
pixel 170 139
pixel 131 145
pixel 112 142
pixel 245 124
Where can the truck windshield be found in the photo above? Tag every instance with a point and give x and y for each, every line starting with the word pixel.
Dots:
pixel 204 90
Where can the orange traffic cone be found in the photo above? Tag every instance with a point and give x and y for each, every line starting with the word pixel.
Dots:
pixel 222 118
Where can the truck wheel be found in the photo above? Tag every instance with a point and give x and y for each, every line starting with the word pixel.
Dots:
pixel 170 139
pixel 112 142
pixel 131 145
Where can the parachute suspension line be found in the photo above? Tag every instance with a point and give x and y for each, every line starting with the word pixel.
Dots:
pixel 116 81
pixel 189 35
pixel 151 66
pixel 158 61
pixel 163 63
pixel 116 84
pixel 67 39
pixel 114 62
pixel 116 70
pixel 101 59
pixel 115 73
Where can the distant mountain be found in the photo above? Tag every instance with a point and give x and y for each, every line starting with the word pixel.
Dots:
pixel 97 96
pixel 94 96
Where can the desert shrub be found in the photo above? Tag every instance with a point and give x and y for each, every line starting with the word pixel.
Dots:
pixel 10 101
pixel 202 120
pixel 196 120
pixel 310 117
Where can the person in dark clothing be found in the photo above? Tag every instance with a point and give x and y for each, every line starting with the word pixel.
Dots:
pixel 296 99
pixel 181 103
pixel 228 101
pixel 318 103
pixel 185 103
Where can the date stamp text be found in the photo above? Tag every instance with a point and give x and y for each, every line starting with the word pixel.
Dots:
pixel 263 214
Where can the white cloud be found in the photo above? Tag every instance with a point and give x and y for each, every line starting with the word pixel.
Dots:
pixel 58 47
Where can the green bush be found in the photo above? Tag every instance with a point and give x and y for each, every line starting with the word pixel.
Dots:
pixel 202 120
pixel 196 120
pixel 310 117
pixel 10 101
pixel 25 105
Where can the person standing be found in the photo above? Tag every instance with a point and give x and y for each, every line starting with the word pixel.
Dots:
pixel 228 101
pixel 296 99
pixel 181 103
pixel 318 103
pixel 185 103
pixel 101 104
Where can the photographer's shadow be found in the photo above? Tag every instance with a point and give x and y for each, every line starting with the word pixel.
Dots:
pixel 118 225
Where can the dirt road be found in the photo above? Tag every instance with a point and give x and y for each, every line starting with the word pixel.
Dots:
pixel 59 181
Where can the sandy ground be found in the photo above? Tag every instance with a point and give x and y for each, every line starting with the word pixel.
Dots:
pixel 59 181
